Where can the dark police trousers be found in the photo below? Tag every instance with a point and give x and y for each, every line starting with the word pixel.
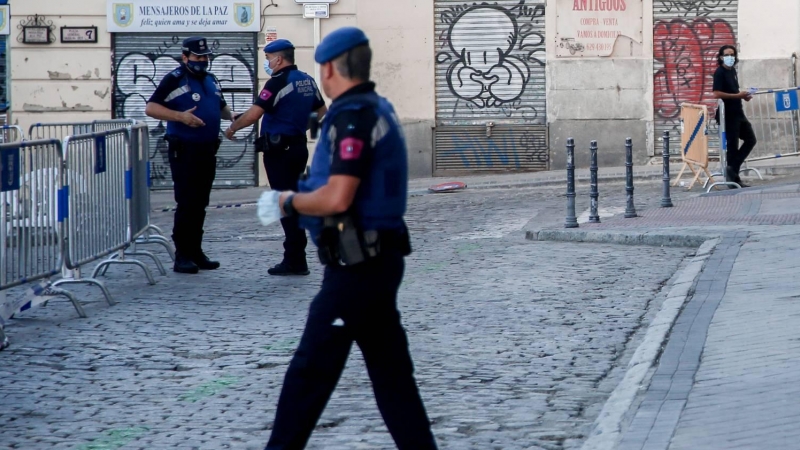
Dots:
pixel 356 303
pixel 738 127
pixel 193 167
pixel 284 168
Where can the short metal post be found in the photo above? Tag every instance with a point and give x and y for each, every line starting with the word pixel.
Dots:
pixel 594 217
pixel 572 220
pixel 666 201
pixel 630 208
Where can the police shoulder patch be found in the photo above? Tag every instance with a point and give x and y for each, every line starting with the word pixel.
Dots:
pixel 350 148
pixel 177 72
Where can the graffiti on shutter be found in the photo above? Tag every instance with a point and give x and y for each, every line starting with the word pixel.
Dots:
pixel 142 60
pixel 686 38
pixel 490 70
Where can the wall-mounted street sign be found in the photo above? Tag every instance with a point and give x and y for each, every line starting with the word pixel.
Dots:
pixel 316 10
pixel 35 34
pixel 79 35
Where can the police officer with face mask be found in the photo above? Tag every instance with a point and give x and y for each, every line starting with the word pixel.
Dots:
pixel 284 105
pixel 352 203
pixel 190 100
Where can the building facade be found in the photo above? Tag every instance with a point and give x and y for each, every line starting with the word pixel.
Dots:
pixel 479 86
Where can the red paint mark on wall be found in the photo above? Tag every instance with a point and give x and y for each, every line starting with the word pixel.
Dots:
pixel 687 52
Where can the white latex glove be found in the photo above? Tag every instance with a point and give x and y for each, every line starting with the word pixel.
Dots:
pixel 269 210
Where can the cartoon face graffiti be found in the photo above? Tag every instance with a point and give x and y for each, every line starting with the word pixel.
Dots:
pixel 485 72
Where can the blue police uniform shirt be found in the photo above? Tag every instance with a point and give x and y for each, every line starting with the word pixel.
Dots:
pixel 287 100
pixel 361 137
pixel 181 91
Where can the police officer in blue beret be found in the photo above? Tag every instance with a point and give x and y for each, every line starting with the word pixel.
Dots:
pixel 352 203
pixel 284 105
pixel 190 100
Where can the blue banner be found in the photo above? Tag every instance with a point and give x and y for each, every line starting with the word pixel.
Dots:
pixel 786 101
pixel 99 154
pixel 9 169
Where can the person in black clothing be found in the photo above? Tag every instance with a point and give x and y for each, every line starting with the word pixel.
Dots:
pixel 726 87
pixel 284 105
pixel 190 100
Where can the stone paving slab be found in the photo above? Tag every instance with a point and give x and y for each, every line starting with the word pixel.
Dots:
pixel 746 389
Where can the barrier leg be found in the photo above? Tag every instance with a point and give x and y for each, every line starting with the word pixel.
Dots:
pixel 71 297
pixel 680 174
pixel 91 281
pixel 133 262
pixel 160 240
pixel 697 174
pixel 751 169
pixel 155 259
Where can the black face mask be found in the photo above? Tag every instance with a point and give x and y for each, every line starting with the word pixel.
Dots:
pixel 197 68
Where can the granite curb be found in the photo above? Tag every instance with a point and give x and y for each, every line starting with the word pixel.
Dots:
pixel 607 430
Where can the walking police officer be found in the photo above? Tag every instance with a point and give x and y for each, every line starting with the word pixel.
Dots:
pixel 284 106
pixel 190 100
pixel 353 203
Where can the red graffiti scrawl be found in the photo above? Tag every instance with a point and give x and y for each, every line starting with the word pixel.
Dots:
pixel 688 53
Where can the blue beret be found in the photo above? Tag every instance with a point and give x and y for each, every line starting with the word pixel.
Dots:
pixel 277 46
pixel 196 45
pixel 339 42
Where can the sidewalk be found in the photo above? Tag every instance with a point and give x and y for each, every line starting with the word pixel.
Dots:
pixel 163 199
pixel 726 376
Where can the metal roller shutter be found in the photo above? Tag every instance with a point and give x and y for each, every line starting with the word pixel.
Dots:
pixel 490 86
pixel 686 39
pixel 141 60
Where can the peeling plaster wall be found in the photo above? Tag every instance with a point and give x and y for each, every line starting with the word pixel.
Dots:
pixel 60 82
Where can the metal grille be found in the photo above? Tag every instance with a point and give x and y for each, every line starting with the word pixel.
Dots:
pixel 686 39
pixel 467 149
pixel 141 60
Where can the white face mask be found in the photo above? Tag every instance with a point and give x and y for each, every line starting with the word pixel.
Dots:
pixel 267 68
pixel 729 60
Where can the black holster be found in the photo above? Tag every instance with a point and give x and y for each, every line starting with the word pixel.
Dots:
pixel 343 243
pixel 277 142
pixel 178 146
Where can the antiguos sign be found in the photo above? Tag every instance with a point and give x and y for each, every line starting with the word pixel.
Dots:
pixel 592 27
pixel 154 16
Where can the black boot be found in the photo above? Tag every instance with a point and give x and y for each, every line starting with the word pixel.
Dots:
pixel 203 263
pixel 284 269
pixel 184 265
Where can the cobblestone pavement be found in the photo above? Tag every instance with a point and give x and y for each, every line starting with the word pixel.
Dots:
pixel 514 342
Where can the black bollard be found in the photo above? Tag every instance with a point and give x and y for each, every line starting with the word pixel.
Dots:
pixel 572 220
pixel 630 208
pixel 594 217
pixel 666 201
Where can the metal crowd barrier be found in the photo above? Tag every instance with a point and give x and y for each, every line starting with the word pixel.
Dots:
pixel 776 130
pixel 97 224
pixel 11 133
pixel 32 206
pixel 141 231
pixel 58 130
pixel 68 204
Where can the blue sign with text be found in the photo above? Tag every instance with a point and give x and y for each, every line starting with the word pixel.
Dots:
pixel 786 101
pixel 9 169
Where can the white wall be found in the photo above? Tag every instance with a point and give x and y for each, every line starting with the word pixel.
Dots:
pixel 60 82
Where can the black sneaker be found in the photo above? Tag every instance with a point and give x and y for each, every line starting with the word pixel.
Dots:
pixel 184 265
pixel 284 269
pixel 203 263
